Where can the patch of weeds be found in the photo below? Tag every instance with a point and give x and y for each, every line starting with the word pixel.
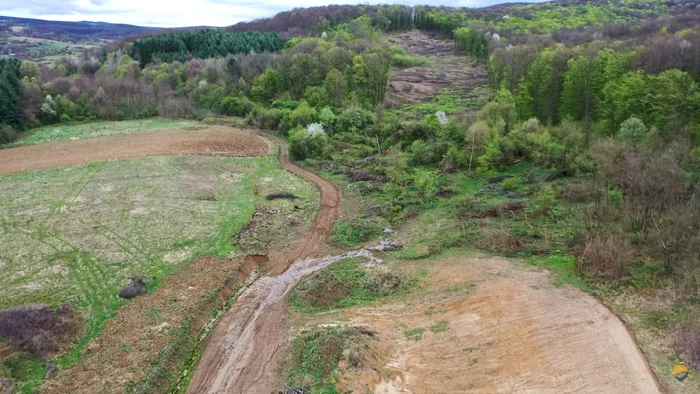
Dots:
pixel 25 368
pixel 468 350
pixel 345 284
pixel 414 334
pixel 564 266
pixel 658 320
pixel 431 311
pixel 316 353
pixel 440 326
pixel 355 231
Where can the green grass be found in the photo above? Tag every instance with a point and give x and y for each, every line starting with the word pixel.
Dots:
pixel 75 235
pixel 355 232
pixel 316 353
pixel 439 327
pixel 446 100
pixel 62 132
pixel 414 334
pixel 346 284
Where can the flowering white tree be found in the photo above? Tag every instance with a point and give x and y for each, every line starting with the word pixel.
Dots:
pixel 49 106
pixel 442 117
pixel 314 130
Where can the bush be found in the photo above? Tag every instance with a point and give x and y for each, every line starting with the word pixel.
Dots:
pixel 38 329
pixel 236 106
pixel 604 255
pixel 8 135
pixel 266 119
pixel 355 231
pixel 304 144
pixel 354 120
pixel 285 104
pixel 303 115
pixel 134 288
pixel 632 130
pixel 511 184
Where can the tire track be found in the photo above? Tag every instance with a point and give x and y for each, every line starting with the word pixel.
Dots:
pixel 245 351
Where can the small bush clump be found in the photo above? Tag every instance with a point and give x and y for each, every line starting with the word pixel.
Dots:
pixel 38 329
pixel 134 288
pixel 355 231
pixel 8 135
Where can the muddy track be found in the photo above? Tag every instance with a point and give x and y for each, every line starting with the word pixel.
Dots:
pixel 246 349
pixel 316 237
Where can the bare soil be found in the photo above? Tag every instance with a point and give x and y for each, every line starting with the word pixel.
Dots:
pixel 246 349
pixel 420 84
pixel 493 325
pixel 215 141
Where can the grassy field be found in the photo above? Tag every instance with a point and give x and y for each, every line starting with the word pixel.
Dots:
pixel 75 235
pixel 63 132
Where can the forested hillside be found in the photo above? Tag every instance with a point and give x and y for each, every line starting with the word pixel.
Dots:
pixel 202 44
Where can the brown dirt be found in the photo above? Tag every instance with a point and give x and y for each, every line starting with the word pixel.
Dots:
pixel 217 140
pixel 508 329
pixel 246 349
pixel 420 84
pixel 119 358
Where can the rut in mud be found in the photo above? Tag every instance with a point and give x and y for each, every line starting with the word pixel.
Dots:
pixel 244 352
pixel 243 357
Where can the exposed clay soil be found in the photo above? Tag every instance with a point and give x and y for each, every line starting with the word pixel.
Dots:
pixel 503 328
pixel 246 350
pixel 420 84
pixel 216 140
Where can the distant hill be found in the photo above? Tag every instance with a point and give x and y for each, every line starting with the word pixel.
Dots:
pixel 68 31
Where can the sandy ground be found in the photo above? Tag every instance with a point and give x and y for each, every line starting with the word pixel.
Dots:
pixel 507 329
pixel 217 140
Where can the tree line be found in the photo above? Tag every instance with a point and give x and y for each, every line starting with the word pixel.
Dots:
pixel 184 45
pixel 10 99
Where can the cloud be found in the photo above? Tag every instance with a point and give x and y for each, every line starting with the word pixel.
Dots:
pixel 176 13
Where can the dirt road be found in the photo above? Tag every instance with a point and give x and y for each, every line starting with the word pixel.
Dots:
pixel 246 350
pixel 216 140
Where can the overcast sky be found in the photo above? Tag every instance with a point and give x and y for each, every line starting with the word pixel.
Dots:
pixel 174 13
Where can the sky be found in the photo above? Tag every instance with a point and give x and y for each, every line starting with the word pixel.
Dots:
pixel 181 13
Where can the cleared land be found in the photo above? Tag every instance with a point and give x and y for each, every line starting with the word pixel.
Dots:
pixel 215 141
pixel 421 85
pixel 77 234
pixel 487 325
pixel 62 132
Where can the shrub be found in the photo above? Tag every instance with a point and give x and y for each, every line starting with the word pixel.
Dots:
pixel 303 145
pixel 512 183
pixel 7 134
pixel 301 116
pixel 604 255
pixel 236 106
pixel 354 120
pixel 266 119
pixel 134 288
pixel 355 231
pixel 285 104
pixel 632 130
pixel 542 203
pixel 38 329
